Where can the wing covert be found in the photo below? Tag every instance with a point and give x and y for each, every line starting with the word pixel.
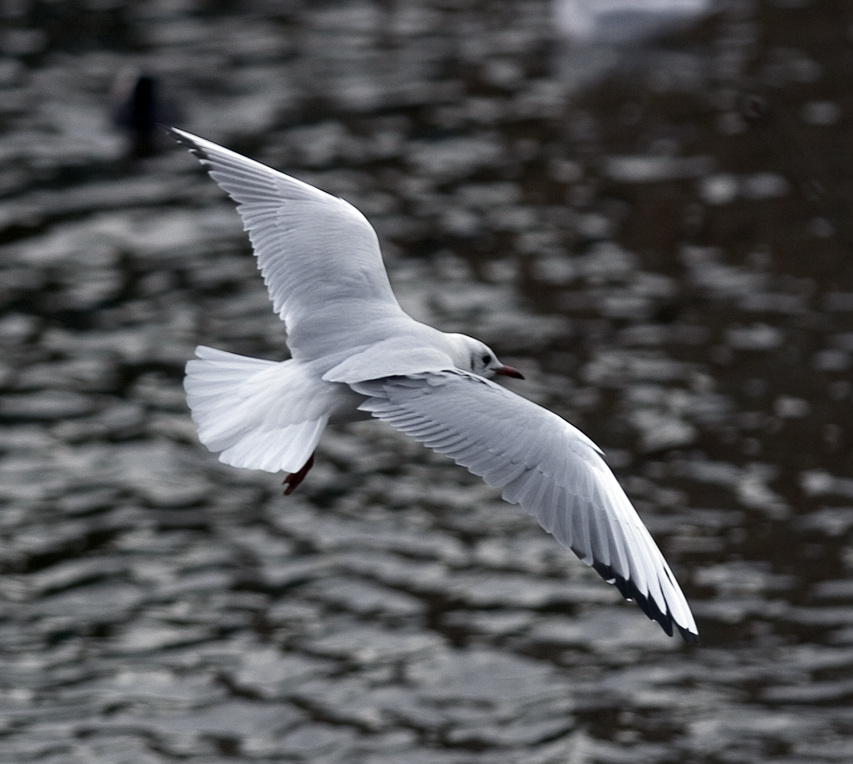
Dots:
pixel 543 463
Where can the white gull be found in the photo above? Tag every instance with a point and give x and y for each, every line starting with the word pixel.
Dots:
pixel 356 354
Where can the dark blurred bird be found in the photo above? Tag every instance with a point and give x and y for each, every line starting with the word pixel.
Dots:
pixel 139 107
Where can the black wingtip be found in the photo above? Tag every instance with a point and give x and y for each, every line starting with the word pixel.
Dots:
pixel 628 589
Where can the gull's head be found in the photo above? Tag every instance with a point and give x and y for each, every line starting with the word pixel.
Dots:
pixel 472 355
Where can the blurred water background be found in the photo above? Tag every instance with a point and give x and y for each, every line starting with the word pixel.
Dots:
pixel 646 212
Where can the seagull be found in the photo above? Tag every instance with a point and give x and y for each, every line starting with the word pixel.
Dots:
pixel 355 354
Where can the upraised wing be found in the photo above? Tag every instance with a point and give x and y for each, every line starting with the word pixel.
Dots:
pixel 543 463
pixel 319 256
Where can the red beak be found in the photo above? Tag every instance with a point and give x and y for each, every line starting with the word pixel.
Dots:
pixel 508 371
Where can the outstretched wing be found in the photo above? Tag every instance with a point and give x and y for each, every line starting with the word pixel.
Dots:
pixel 543 463
pixel 319 256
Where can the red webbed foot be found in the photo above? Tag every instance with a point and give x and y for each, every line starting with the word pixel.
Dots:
pixel 293 480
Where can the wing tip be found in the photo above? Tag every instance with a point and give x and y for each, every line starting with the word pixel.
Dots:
pixel 190 141
pixel 628 589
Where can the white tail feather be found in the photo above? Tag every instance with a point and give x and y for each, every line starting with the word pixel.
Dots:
pixel 241 408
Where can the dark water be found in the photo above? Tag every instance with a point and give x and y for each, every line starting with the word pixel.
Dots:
pixel 665 253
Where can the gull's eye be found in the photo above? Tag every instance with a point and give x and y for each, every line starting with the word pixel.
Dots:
pixel 486 359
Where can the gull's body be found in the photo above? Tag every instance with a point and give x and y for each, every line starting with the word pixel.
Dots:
pixel 356 354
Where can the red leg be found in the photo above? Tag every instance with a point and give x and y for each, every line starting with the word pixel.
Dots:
pixel 295 478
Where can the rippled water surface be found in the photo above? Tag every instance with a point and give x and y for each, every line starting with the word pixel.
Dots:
pixel 657 234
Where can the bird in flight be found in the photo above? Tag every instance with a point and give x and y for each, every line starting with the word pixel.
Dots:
pixel 356 354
